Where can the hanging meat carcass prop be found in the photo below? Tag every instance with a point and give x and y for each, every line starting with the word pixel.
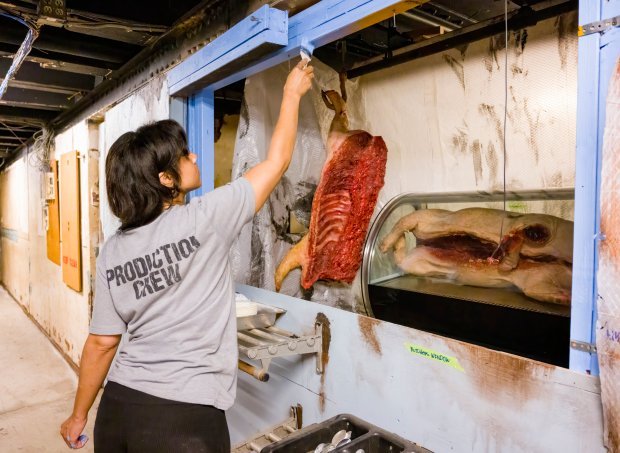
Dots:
pixel 608 278
pixel 535 253
pixel 343 202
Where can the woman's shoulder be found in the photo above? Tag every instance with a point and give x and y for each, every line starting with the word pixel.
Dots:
pixel 228 193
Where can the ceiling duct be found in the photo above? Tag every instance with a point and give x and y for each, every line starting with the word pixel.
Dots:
pixel 429 19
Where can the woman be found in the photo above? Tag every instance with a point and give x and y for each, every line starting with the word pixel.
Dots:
pixel 164 282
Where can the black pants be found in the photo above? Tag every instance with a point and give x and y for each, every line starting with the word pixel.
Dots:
pixel 135 422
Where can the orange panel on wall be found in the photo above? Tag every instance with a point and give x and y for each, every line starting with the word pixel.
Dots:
pixel 70 220
pixel 53 220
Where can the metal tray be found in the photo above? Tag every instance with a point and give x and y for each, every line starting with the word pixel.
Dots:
pixel 266 317
pixel 491 296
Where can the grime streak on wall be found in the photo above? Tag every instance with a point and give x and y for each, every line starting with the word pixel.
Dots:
pixel 444 135
pixel 493 118
pixel 457 67
pixel 327 338
pixel 566 25
pixel 501 377
pixel 493 164
pixel 367 328
pixel 476 152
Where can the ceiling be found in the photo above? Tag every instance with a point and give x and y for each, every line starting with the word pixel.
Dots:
pixel 75 51
pixel 432 27
pixel 91 44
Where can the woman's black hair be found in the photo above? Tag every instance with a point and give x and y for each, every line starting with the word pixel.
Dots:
pixel 135 193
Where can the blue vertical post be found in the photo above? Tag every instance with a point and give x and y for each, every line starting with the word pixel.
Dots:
pixel 200 128
pixel 178 110
pixel 586 191
pixel 597 56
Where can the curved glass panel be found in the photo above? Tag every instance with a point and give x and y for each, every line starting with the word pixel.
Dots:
pixel 436 262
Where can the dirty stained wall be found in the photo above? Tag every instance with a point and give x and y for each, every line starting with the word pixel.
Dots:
pixel 33 280
pixel 442 116
pixel 150 103
pixel 14 223
pixel 464 399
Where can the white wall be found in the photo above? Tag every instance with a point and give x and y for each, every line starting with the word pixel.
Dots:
pixel 14 221
pixel 151 103
pixel 442 116
pixel 33 280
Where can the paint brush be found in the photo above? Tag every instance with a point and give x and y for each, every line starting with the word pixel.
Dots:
pixel 305 51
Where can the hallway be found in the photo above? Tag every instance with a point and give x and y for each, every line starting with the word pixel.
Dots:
pixel 36 386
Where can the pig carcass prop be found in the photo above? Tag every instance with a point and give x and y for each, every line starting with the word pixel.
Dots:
pixel 343 203
pixel 534 253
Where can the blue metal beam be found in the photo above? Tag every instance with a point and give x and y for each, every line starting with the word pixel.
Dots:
pixel 322 23
pixel 200 118
pixel 609 52
pixel 265 29
pixel 319 24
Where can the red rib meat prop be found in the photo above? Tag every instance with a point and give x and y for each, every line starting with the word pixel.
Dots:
pixel 343 203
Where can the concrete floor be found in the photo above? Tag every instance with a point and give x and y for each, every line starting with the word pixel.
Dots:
pixel 37 386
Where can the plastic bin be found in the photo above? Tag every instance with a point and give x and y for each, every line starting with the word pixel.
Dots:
pixel 364 436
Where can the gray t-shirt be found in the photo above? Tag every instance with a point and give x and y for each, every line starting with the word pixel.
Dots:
pixel 167 286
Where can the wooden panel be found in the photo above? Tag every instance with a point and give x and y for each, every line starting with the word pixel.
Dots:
pixel 53 221
pixel 252 38
pixel 70 220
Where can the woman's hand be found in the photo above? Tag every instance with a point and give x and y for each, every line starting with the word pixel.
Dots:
pixel 71 432
pixel 299 80
pixel 97 356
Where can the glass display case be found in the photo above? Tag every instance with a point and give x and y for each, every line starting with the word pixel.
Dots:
pixel 436 262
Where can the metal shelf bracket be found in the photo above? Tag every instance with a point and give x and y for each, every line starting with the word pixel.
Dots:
pixel 273 434
pixel 583 346
pixel 600 26
pixel 267 343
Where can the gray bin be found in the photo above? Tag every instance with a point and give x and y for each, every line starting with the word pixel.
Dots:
pixel 364 436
